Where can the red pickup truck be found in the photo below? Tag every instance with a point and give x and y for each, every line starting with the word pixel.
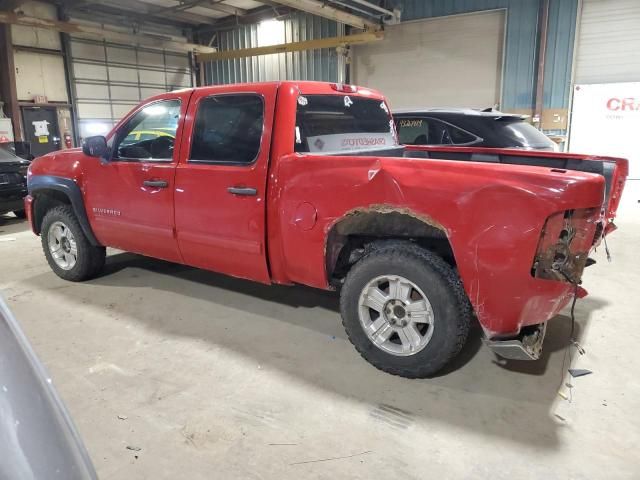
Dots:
pixel 305 182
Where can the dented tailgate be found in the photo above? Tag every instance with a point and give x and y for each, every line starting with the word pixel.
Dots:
pixel 614 170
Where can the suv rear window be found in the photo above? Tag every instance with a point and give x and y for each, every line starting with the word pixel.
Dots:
pixel 329 124
pixel 521 134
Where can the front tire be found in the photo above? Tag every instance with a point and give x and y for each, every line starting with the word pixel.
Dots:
pixel 405 310
pixel 68 251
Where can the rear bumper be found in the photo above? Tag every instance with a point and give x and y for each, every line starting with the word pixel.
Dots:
pixel 526 346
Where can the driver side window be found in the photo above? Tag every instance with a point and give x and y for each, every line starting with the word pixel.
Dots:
pixel 150 134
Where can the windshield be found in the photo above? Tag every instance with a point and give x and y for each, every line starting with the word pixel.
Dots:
pixel 521 134
pixel 6 155
pixel 329 124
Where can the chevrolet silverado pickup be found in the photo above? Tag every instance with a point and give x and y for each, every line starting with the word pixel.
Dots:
pixel 306 183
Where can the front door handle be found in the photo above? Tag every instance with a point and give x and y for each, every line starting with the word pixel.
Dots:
pixel 156 183
pixel 246 191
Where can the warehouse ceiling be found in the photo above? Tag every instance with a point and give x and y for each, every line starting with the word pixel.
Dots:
pixel 220 14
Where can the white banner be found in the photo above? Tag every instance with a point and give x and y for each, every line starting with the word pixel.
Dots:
pixel 606 121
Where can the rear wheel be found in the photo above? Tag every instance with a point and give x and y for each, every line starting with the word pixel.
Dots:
pixel 68 251
pixel 405 310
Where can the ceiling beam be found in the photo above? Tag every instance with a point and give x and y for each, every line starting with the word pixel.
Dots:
pixel 213 5
pixel 218 6
pixel 109 15
pixel 143 8
pixel 373 6
pixel 147 39
pixel 255 15
pixel 328 42
pixel 322 9
pixel 181 6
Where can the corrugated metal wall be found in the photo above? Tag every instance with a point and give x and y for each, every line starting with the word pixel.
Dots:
pixel 520 53
pixel 560 42
pixel 324 64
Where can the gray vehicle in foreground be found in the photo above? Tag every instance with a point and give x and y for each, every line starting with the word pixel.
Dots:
pixel 37 438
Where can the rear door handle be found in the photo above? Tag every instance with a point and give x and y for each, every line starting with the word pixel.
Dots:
pixel 246 191
pixel 156 183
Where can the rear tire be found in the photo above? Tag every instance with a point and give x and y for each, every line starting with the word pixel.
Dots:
pixel 20 214
pixel 68 251
pixel 405 310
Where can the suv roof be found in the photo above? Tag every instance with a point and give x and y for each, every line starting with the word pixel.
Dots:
pixel 459 111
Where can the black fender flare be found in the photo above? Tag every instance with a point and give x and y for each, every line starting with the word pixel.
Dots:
pixel 40 183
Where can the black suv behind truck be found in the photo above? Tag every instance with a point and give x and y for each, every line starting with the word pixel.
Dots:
pixel 465 127
pixel 13 182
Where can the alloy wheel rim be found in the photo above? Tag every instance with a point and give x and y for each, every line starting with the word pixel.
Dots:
pixel 396 315
pixel 62 245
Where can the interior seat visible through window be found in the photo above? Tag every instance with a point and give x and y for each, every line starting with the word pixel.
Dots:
pixel 161 117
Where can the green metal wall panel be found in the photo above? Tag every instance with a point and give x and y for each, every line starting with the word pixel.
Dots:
pixel 324 64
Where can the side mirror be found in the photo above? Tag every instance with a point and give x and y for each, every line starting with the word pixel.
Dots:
pixel 95 146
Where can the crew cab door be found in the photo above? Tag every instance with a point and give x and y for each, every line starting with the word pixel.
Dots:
pixel 220 184
pixel 130 197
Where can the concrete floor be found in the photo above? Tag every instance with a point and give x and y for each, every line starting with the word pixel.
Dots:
pixel 220 378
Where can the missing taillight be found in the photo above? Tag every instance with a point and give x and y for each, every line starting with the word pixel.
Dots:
pixel 564 245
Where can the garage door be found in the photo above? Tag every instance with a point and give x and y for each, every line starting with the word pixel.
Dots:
pixel 608 42
pixel 443 62
pixel 110 79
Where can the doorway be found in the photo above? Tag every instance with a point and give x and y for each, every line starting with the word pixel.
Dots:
pixel 41 129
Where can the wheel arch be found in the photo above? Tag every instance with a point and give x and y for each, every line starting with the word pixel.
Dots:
pixel 360 230
pixel 49 191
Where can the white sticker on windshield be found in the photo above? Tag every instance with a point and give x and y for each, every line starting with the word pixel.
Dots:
pixel 302 100
pixel 383 106
pixel 347 101
pixel 298 136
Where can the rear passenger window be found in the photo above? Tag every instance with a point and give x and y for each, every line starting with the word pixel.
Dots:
pixel 228 129
pixel 413 131
pixel 443 133
pixel 460 137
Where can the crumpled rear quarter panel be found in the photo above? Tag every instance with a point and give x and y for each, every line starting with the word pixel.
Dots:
pixel 493 216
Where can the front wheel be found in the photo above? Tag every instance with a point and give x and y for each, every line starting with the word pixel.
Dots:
pixel 68 251
pixel 405 310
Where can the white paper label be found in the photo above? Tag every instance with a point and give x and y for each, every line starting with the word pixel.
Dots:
pixel 41 128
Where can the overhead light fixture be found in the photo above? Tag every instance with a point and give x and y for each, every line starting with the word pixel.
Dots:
pixel 270 32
